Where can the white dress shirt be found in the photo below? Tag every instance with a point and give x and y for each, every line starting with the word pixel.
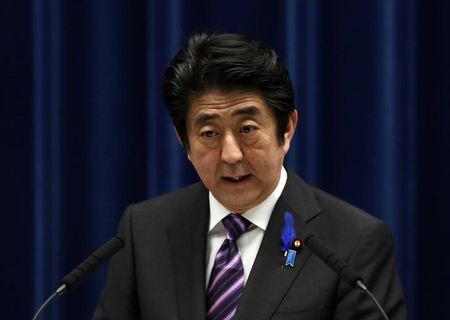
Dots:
pixel 249 242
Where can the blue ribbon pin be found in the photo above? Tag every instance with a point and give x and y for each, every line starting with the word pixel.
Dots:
pixel 287 236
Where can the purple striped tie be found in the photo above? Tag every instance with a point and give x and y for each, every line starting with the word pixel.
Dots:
pixel 226 283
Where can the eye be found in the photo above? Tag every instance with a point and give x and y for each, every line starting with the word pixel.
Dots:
pixel 247 129
pixel 208 133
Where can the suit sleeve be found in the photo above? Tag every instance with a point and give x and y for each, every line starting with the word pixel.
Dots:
pixel 374 258
pixel 119 299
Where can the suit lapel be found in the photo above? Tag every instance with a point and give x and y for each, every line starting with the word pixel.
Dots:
pixel 269 280
pixel 187 241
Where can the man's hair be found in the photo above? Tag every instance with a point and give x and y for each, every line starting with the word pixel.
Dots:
pixel 226 62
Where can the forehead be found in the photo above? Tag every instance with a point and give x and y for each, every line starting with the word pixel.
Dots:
pixel 216 104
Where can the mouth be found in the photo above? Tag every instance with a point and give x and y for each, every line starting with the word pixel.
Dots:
pixel 237 179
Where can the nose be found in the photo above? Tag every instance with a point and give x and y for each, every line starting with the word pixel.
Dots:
pixel 231 151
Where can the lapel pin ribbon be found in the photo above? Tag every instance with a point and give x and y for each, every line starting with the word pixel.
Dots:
pixel 291 244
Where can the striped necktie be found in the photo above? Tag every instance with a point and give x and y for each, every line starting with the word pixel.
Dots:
pixel 226 283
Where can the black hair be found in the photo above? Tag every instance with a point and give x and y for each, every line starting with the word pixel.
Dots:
pixel 226 62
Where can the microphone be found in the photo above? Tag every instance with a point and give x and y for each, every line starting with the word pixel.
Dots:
pixel 80 273
pixel 337 263
pixel 333 260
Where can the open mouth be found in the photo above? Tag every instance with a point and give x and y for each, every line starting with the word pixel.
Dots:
pixel 236 179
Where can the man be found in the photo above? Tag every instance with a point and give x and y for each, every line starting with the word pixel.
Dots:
pixel 224 248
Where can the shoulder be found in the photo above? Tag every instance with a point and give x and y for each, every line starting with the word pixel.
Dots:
pixel 186 195
pixel 341 211
pixel 165 207
pixel 341 224
pixel 345 226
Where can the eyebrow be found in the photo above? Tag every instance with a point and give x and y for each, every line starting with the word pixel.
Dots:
pixel 247 111
pixel 202 118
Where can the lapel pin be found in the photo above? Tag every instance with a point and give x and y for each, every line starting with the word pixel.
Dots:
pixel 298 244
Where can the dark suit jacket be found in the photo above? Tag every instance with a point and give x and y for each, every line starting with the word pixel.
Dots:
pixel 160 273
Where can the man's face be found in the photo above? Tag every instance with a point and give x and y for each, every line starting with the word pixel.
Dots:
pixel 234 147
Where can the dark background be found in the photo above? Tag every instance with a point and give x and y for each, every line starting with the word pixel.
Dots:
pixel 84 132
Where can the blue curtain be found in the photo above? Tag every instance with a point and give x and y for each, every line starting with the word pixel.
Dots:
pixel 84 130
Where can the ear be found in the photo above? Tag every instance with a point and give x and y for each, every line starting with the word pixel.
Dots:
pixel 181 143
pixel 290 130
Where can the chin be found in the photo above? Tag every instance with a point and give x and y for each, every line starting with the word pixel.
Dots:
pixel 237 206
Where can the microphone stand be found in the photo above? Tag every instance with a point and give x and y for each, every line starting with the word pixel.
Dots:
pixel 80 273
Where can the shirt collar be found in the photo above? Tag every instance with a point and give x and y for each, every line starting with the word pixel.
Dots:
pixel 258 216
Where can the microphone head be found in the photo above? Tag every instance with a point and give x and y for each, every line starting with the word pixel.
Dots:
pixel 95 260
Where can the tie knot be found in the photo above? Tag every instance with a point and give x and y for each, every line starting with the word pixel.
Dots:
pixel 235 224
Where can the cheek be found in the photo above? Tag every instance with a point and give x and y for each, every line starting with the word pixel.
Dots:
pixel 196 151
pixel 261 160
pixel 204 162
pixel 264 150
pixel 265 161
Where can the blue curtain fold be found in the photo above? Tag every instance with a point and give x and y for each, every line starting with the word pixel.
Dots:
pixel 84 130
